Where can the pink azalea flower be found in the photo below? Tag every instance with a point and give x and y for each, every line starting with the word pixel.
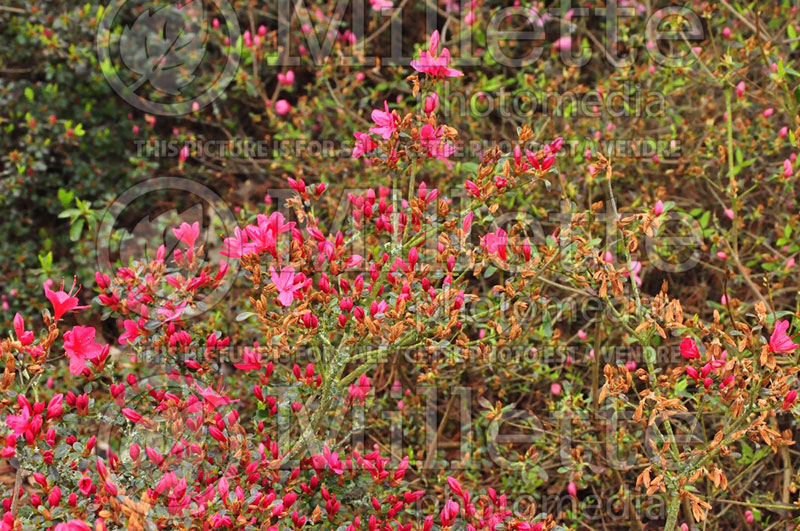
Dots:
pixel 495 243
pixel 19 424
pixel 284 281
pixel 689 348
pixel 63 301
pixel 364 144
pixel 80 346
pixel 387 122
pixel 73 525
pixel 564 43
pixel 132 331
pixel 358 393
pixel 251 360
pixel 172 313
pixel 380 5
pixel 213 398
pixel 433 139
pixel 329 459
pixel 636 267
pixel 238 245
pixel 187 233
pixel 433 63
pixel 779 341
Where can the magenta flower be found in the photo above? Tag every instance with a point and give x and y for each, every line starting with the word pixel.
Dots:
pixel 187 233
pixel 251 360
pixel 689 348
pixel 472 188
pixel 636 267
pixel 434 140
pixel 19 424
pixel 329 459
pixel 73 525
pixel 80 346
pixel 213 398
pixel 282 107
pixel 132 331
pixel 380 5
pixel 364 144
pixel 779 341
pixel 433 63
pixel 387 122
pixel 495 243
pixel 358 393
pixel 431 102
pixel 791 396
pixel 63 301
pixel 284 281
pixel 172 314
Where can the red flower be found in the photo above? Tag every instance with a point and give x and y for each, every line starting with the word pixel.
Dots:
pixel 432 62
pixel 80 346
pixel 251 360
pixel 62 301
pixel 213 398
pixel 495 243
pixel 187 233
pixel 74 525
pixel 791 396
pixel 689 348
pixel 779 341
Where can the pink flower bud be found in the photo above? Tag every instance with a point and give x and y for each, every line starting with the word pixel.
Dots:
pixel 431 102
pixel 572 489
pixel 282 107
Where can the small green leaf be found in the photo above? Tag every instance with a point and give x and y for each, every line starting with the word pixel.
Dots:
pixel 65 197
pixel 29 93
pixel 75 230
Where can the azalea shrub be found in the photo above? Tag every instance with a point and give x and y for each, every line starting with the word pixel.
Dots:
pixel 463 317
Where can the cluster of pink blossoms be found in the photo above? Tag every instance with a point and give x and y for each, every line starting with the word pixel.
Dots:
pixel 779 343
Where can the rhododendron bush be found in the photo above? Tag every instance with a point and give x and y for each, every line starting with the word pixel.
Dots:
pixel 413 333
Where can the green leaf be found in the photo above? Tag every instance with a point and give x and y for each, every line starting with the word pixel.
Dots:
pixel 244 315
pixel 29 93
pixel 705 218
pixel 65 197
pixel 46 260
pixel 75 230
